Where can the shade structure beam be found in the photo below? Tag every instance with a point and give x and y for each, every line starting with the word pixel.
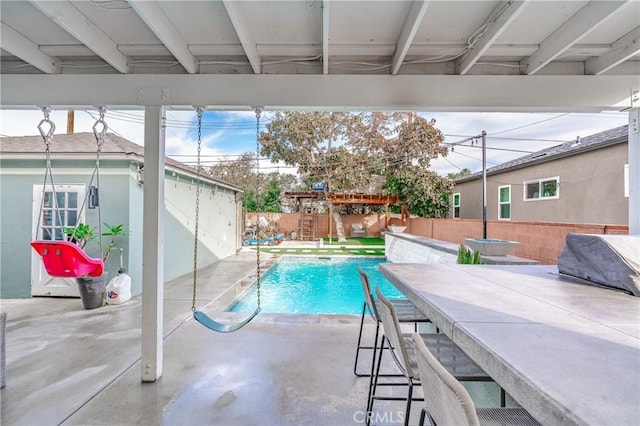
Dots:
pixel 67 16
pixel 454 93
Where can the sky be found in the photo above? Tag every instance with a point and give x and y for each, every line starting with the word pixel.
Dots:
pixel 227 134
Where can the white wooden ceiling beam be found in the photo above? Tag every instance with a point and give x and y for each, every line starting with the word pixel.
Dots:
pixel 624 48
pixel 155 18
pixel 25 49
pixel 485 93
pixel 240 23
pixel 408 32
pixel 326 26
pixel 575 28
pixel 507 12
pixel 75 23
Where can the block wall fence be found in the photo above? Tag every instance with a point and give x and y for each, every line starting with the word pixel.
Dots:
pixel 541 241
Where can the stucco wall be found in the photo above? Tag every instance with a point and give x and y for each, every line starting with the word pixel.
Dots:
pixel 217 229
pixel 121 198
pixel 15 234
pixel 16 225
pixel 591 190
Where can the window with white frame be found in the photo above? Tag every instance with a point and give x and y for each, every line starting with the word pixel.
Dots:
pixel 542 189
pixel 456 205
pixel 504 202
pixel 56 210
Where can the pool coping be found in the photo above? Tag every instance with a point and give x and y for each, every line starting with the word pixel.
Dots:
pixel 325 251
pixel 281 318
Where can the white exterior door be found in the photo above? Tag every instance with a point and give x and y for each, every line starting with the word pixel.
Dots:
pixel 48 222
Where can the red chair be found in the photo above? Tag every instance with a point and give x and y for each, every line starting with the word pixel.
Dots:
pixel 64 259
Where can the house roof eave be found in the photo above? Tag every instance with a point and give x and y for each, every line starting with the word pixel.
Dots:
pixel 545 159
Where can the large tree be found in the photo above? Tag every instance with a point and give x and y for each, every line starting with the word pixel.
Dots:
pixel 269 187
pixel 308 140
pixel 349 150
pixel 239 171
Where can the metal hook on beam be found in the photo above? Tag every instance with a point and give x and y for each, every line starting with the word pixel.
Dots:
pixel 46 136
pixel 100 134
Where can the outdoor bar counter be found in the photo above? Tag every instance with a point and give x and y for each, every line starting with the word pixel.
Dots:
pixel 568 352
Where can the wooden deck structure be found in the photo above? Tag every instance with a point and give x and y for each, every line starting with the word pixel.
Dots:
pixel 339 198
pixel 304 202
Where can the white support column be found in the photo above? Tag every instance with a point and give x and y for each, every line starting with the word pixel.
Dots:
pixel 153 243
pixel 634 171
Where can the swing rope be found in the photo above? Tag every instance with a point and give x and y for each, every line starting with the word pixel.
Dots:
pixel 47 138
pixel 99 135
pixel 96 172
pixel 200 316
pixel 63 258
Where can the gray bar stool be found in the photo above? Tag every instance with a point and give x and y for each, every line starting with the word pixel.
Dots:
pixel 447 402
pixel 407 313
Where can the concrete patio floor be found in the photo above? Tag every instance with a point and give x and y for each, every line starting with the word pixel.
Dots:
pixel 67 365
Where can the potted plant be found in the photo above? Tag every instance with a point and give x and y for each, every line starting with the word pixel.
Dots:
pixel 92 289
pixel 468 257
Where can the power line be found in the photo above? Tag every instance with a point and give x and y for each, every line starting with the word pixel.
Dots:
pixel 449 161
pixel 530 124
pixel 473 158
pixel 183 124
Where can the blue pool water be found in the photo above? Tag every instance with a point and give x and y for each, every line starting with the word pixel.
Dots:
pixel 303 285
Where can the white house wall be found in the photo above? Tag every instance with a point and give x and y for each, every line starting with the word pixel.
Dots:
pixel 217 224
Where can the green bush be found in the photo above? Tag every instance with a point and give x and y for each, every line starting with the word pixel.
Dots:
pixel 468 257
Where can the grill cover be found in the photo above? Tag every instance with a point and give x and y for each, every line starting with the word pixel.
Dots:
pixel 609 260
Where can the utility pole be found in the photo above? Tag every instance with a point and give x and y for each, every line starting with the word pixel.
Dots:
pixel 484 175
pixel 70 117
pixel 484 184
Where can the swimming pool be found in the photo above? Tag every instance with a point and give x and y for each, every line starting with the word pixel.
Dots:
pixel 304 285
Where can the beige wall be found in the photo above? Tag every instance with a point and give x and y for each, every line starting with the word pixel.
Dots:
pixel 541 241
pixel 591 190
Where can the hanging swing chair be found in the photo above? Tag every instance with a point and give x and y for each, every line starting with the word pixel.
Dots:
pixel 65 259
pixel 200 316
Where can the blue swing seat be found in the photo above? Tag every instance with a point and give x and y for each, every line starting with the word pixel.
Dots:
pixel 211 324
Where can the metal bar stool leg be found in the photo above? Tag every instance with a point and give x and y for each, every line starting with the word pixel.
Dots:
pixel 373 381
pixel 359 346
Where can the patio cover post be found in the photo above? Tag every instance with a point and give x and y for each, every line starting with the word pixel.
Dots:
pixel 153 243
pixel 634 171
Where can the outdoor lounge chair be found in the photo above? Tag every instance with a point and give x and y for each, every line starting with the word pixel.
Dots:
pixel 447 402
pixel 402 351
pixel 358 231
pixel 407 313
